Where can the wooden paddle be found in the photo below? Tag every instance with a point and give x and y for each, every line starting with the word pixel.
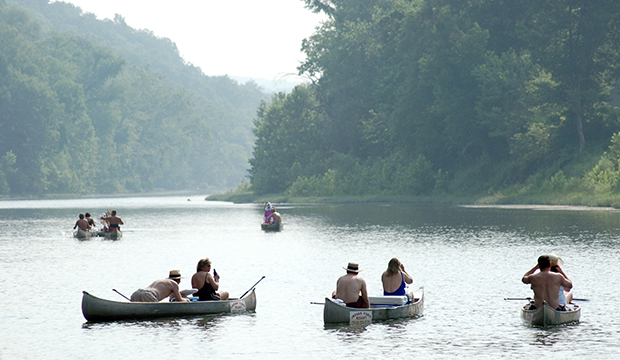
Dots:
pixel 528 299
pixel 241 297
pixel 116 291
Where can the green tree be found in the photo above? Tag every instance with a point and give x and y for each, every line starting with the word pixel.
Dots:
pixel 289 130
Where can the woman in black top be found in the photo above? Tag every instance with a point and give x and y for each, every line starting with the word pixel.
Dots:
pixel 207 284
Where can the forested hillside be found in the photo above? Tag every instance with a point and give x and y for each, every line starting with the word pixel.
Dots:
pixel 418 97
pixel 91 106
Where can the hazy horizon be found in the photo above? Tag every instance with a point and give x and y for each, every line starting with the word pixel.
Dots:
pixel 238 38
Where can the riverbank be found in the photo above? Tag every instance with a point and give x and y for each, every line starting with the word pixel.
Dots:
pixel 162 193
pixel 582 199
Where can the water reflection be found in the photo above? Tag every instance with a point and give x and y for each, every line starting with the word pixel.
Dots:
pixel 552 335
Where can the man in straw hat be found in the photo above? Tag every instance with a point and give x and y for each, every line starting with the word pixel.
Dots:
pixel 160 289
pixel 546 284
pixel 351 288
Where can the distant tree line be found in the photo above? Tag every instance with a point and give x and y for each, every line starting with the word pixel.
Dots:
pixel 78 118
pixel 415 97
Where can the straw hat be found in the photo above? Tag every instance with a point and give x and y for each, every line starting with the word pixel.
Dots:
pixel 555 260
pixel 174 274
pixel 352 267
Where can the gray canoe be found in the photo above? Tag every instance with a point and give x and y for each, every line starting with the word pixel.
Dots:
pixel 96 309
pixel 336 313
pixel 276 226
pixel 81 234
pixel 547 316
pixel 114 234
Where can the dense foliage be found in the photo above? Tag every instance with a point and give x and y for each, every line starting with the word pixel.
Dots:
pixel 416 97
pixel 77 116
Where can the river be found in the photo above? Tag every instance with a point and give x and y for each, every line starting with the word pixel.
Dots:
pixel 467 258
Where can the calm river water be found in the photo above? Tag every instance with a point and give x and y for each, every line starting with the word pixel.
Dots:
pixel 467 258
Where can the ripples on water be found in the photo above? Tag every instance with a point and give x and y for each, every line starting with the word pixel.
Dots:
pixel 467 258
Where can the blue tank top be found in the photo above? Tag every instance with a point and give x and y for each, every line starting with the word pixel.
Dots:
pixel 400 290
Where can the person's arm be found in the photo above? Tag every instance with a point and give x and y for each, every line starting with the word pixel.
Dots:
pixel 365 299
pixel 213 282
pixel 120 221
pixel 76 224
pixel 562 272
pixel 566 283
pixel 526 278
pixel 177 294
pixel 335 293
pixel 407 277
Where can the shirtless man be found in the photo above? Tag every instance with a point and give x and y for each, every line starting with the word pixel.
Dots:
pixel 113 221
pixel 160 289
pixel 351 288
pixel 207 284
pixel 82 223
pixel 546 284
pixel 274 217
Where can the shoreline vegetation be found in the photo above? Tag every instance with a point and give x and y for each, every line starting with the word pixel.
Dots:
pixel 93 196
pixel 570 200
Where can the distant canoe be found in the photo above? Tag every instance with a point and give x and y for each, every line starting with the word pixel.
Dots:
pixel 81 234
pixel 336 313
pixel 276 226
pixel 96 309
pixel 114 234
pixel 547 316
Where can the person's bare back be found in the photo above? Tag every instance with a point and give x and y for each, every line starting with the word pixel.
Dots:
pixel 546 284
pixel 275 216
pixel 349 288
pixel 82 224
pixel 165 288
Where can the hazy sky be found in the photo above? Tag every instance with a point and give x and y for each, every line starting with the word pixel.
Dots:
pixel 253 38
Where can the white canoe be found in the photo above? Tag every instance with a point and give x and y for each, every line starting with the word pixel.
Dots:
pixel 547 316
pixel 81 234
pixel 96 309
pixel 113 234
pixel 336 313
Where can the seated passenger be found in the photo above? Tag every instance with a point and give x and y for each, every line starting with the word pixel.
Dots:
pixel 395 279
pixel 546 284
pixel 564 297
pixel 90 220
pixel 351 288
pixel 114 222
pixel 268 210
pixel 207 284
pixel 82 223
pixel 274 217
